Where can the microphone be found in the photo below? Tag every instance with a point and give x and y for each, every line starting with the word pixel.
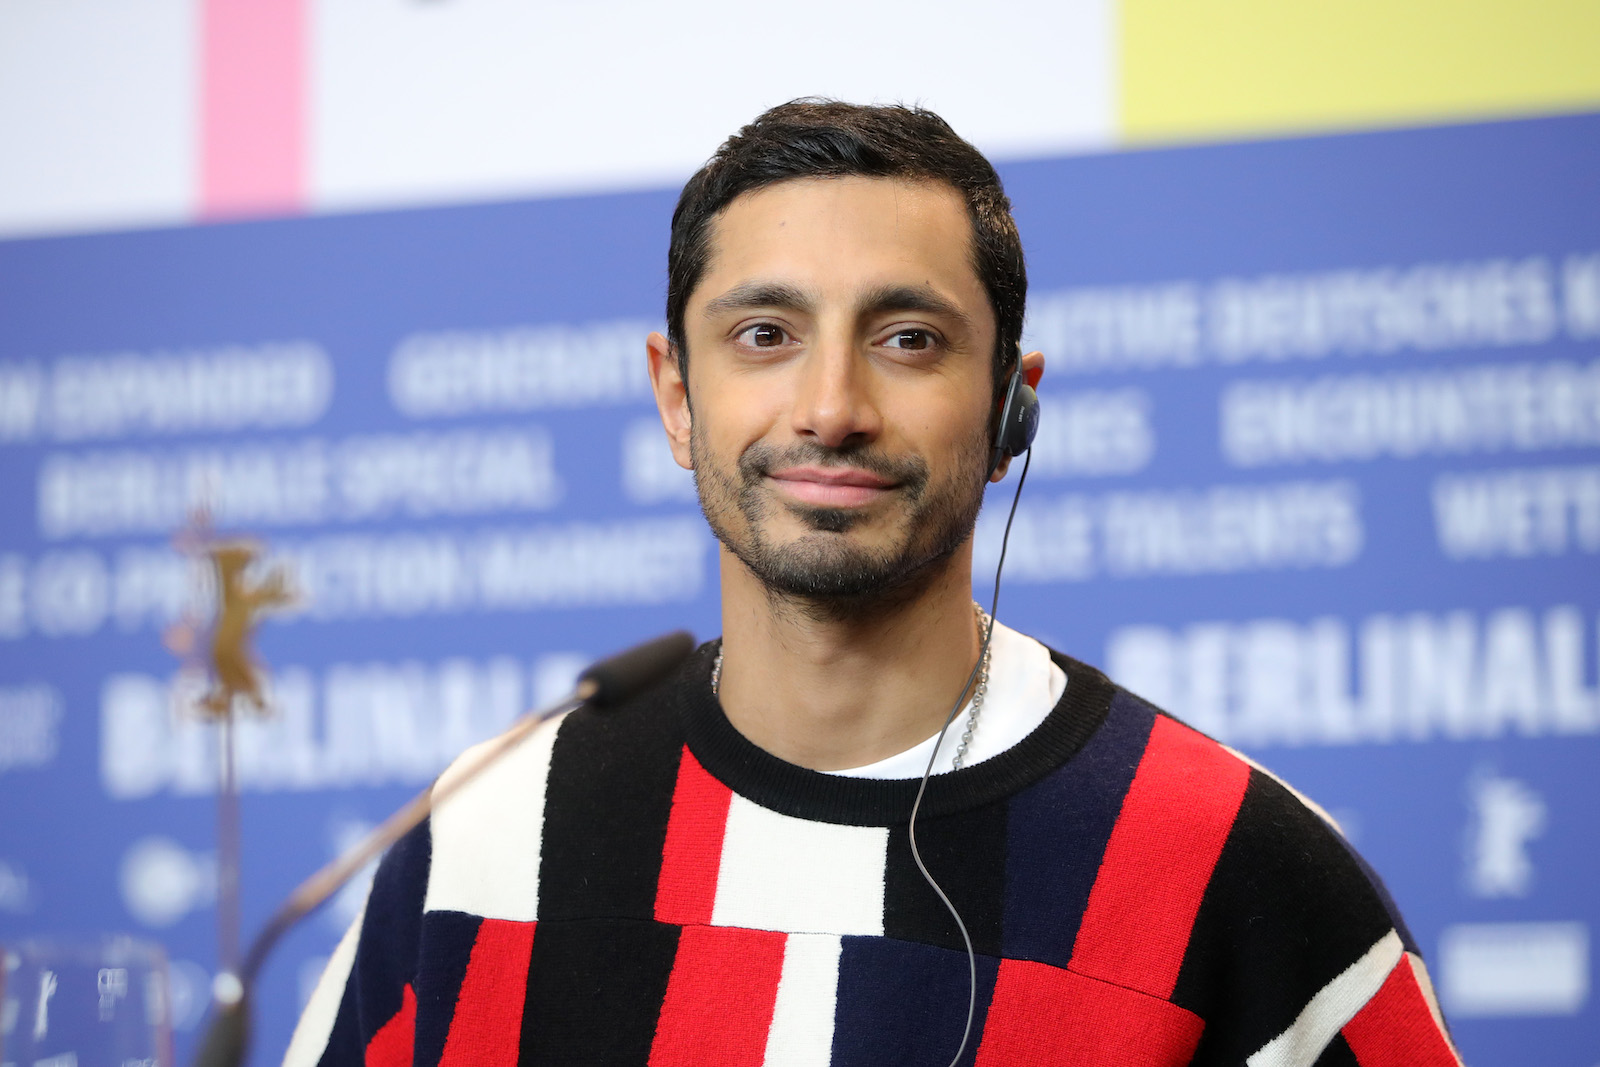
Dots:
pixel 605 684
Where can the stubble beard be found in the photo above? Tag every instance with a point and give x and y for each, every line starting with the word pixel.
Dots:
pixel 824 572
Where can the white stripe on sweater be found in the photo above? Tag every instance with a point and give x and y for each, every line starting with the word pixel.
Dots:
pixel 322 1010
pixel 487 837
pixel 1333 1005
pixel 783 873
pixel 801 1034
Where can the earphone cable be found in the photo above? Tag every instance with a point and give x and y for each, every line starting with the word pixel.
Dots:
pixel 911 830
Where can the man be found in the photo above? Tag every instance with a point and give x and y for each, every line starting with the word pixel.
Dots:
pixel 723 871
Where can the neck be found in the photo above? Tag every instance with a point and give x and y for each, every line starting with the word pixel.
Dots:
pixel 832 690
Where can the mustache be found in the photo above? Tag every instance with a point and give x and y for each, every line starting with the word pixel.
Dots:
pixel 759 460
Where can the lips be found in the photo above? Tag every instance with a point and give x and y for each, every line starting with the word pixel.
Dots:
pixel 831 487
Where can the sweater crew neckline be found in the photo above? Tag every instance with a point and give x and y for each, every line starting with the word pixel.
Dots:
pixel 788 789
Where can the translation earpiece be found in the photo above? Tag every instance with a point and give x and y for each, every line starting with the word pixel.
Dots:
pixel 1013 435
pixel 1019 421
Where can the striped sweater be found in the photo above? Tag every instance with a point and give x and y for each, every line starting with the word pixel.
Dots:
pixel 645 886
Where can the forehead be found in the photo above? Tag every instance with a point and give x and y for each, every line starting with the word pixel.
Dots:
pixel 845 232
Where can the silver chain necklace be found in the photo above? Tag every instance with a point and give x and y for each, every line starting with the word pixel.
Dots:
pixel 978 691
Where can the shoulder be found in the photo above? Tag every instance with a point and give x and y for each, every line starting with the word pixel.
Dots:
pixel 1279 840
pixel 477 777
pixel 1144 756
pixel 1192 803
pixel 478 796
pixel 1267 869
pixel 1266 823
pixel 1267 909
pixel 1173 764
pixel 577 777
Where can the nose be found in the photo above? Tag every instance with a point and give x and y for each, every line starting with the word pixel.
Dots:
pixel 834 405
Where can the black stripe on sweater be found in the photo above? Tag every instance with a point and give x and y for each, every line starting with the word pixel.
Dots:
pixel 595 990
pixel 1286 911
pixel 966 854
pixel 1337 1054
pixel 605 815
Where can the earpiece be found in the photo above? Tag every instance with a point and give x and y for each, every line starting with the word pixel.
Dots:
pixel 1019 420
pixel 1013 435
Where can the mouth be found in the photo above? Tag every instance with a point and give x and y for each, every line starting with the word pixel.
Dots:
pixel 831 487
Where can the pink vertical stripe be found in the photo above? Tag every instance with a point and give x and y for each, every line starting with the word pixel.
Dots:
pixel 252 107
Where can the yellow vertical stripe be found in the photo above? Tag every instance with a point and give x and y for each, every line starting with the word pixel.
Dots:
pixel 1193 69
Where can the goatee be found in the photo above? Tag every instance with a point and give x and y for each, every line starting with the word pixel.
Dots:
pixel 824 570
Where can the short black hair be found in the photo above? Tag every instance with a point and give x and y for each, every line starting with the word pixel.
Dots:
pixel 816 138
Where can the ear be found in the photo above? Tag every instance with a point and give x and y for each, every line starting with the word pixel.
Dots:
pixel 1033 368
pixel 672 396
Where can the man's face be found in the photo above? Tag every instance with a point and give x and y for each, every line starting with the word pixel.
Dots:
pixel 840 348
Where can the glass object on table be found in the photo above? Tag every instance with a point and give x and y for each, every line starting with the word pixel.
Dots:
pixel 91 1002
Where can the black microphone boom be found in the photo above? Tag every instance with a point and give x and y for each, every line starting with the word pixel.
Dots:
pixel 618 679
pixel 606 684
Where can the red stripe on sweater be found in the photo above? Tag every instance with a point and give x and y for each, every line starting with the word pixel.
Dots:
pixel 1174 820
pixel 1042 1014
pixel 391 1045
pixel 687 888
pixel 1396 1029
pixel 487 1025
pixel 718 1006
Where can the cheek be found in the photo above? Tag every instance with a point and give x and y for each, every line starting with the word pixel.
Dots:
pixel 745 413
pixel 724 433
pixel 944 426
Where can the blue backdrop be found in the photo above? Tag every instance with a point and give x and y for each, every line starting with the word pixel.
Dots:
pixel 1319 470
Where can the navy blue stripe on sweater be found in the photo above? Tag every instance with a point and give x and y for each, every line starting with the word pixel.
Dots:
pixel 447 940
pixel 386 954
pixel 901 1002
pixel 1057 834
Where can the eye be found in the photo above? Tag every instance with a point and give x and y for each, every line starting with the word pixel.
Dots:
pixel 763 335
pixel 912 340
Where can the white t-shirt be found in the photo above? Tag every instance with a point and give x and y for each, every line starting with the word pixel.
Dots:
pixel 1024 685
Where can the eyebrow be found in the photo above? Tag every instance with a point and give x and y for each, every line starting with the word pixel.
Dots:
pixel 885 298
pixel 923 298
pixel 752 295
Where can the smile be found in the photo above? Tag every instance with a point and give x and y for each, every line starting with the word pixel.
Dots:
pixel 831 487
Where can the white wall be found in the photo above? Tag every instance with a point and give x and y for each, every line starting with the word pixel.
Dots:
pixel 425 102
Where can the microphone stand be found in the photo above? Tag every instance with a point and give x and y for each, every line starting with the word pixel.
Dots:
pixel 604 685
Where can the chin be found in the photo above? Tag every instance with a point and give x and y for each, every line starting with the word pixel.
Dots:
pixel 838 574
pixel 830 520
